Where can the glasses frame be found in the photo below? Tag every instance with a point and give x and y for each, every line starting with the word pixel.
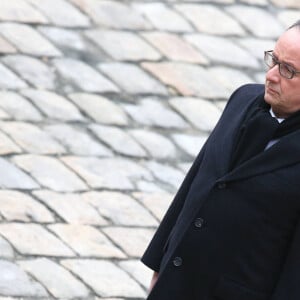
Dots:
pixel 269 53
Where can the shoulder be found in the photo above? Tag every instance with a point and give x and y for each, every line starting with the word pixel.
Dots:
pixel 245 94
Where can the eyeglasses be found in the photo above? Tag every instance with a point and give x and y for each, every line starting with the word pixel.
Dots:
pixel 285 70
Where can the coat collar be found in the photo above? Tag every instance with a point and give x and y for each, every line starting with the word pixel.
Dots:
pixel 284 153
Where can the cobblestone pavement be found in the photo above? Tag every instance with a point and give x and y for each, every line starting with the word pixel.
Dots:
pixel 104 104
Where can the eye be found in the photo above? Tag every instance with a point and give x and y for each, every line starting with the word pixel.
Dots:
pixel 287 69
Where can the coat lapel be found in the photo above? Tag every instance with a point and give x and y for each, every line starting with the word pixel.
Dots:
pixel 284 153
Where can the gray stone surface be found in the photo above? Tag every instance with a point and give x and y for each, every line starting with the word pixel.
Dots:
pixel 191 144
pixel 33 239
pixel 7 146
pixel 77 141
pixel 255 20
pixel 119 209
pixel 15 282
pixel 72 208
pixel 18 107
pixel 132 240
pixel 92 170
pixel 83 76
pixel 201 113
pixel 288 17
pixel 187 79
pixel 204 17
pixel 102 275
pixel 156 144
pixel 133 47
pixel 132 79
pixel 20 11
pixel 156 202
pixel 6 47
pixel 222 50
pixel 61 13
pixel 8 80
pixel 53 105
pixel 58 281
pixel 27 40
pixel 287 3
pixel 6 250
pixel 16 206
pixel 153 113
pixel 31 138
pixel 32 70
pixel 174 47
pixel 86 240
pixel 50 173
pixel 100 109
pixel 162 17
pixel 15 178
pixel 119 140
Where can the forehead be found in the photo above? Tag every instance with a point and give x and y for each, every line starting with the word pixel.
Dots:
pixel 288 46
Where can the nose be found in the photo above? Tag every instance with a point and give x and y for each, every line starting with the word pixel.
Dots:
pixel 273 74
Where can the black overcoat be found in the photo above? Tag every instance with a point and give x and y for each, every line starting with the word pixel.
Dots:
pixel 232 235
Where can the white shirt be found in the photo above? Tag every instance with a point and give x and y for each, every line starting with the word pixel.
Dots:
pixel 272 142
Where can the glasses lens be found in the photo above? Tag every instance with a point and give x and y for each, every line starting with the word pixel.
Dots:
pixel 269 59
pixel 286 70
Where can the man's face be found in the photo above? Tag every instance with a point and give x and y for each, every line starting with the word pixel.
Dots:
pixel 281 93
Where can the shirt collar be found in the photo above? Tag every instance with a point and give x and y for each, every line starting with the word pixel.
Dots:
pixel 273 115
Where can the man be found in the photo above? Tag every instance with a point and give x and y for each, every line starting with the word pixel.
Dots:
pixel 233 229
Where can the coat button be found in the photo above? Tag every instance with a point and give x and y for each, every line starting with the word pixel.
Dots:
pixel 222 185
pixel 198 222
pixel 177 261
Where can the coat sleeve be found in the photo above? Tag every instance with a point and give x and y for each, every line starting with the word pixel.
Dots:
pixel 288 285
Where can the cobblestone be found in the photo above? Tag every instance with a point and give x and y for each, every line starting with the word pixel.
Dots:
pixel 77 141
pixel 133 47
pixel 187 79
pixel 100 109
pixel 119 140
pixel 156 144
pixel 163 18
pixel 33 239
pixel 32 70
pixel 112 14
pixel 102 276
pixel 72 208
pixel 201 113
pixel 58 281
pixel 50 173
pixel 15 178
pixel 53 105
pixel 255 20
pixel 7 146
pixel 132 240
pixel 28 40
pixel 132 79
pixel 86 240
pixel 8 80
pixel 152 112
pixel 18 107
pixel 174 47
pixel 91 169
pixel 61 13
pixel 6 47
pixel 204 19
pixel 220 49
pixel 20 11
pixel 119 209
pixel 31 138
pixel 191 144
pixel 15 282
pixel 83 76
pixel 6 250
pixel 16 206
pixel 156 202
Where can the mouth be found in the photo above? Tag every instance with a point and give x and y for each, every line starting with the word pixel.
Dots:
pixel 271 91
